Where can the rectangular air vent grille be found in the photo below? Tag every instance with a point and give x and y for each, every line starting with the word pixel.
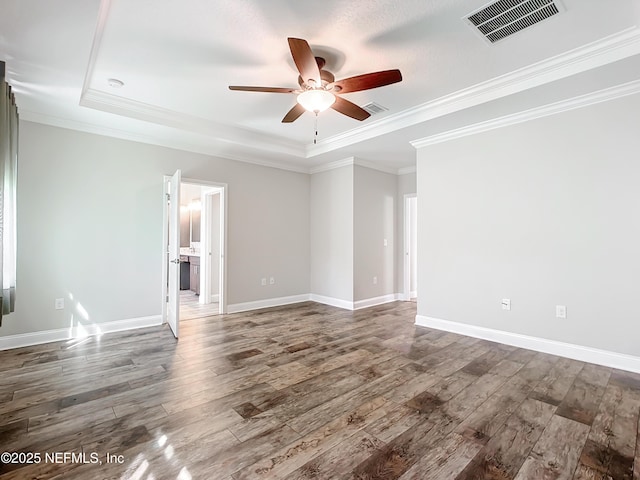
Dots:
pixel 506 17
pixel 374 108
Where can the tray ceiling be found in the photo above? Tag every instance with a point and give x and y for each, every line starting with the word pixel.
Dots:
pixel 176 61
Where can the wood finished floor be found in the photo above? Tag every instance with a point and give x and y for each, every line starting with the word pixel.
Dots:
pixel 314 392
pixel 190 307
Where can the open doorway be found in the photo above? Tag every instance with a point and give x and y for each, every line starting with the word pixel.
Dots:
pixel 201 249
pixel 410 247
pixel 201 237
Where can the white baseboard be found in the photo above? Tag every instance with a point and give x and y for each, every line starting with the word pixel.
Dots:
pixel 576 352
pixel 214 299
pixel 78 331
pixel 266 303
pixel 370 302
pixel 334 302
pixel 348 305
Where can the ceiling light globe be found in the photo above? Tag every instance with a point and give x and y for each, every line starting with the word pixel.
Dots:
pixel 316 100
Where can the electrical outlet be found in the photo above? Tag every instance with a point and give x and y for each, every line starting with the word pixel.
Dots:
pixel 561 311
pixel 385 243
pixel 263 282
pixel 506 304
pixel 272 280
pixel 59 304
pixel 375 280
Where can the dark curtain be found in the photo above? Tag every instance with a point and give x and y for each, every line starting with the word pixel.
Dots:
pixel 8 182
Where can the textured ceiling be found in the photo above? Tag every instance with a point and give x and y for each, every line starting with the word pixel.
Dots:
pixel 176 60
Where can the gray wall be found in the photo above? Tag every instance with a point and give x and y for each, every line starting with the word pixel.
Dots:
pixel 90 227
pixel 374 220
pixel 543 213
pixel 353 210
pixel 332 228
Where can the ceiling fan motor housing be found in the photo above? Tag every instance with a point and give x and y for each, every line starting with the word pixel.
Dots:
pixel 326 76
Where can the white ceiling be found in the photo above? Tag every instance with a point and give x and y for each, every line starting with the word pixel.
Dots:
pixel 177 59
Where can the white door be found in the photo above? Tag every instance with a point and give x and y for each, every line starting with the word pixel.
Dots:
pixel 173 250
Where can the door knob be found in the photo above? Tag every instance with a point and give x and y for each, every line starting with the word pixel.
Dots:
pixel 177 260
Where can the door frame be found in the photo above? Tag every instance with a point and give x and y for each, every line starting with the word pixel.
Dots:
pixel 222 305
pixel 209 241
pixel 408 254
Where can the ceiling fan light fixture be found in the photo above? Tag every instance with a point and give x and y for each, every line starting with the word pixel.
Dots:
pixel 316 100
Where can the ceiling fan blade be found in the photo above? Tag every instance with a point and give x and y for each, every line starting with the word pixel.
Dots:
pixel 350 109
pixel 293 114
pixel 305 61
pixel 262 89
pixel 368 81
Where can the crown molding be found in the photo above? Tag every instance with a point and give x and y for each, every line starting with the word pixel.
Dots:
pixel 407 170
pixel 154 140
pixel 103 15
pixel 166 142
pixel 381 168
pixel 115 104
pixel 354 161
pixel 596 54
pixel 333 165
pixel 580 101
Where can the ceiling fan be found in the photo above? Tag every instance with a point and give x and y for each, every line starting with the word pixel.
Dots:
pixel 319 89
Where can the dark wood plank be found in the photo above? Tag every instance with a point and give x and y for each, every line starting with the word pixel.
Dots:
pixel 394 459
pixel 504 454
pixel 555 455
pixel 297 454
pixel 394 423
pixel 489 418
pixel 636 463
pixel 446 460
pixel 11 430
pixel 611 445
pixel 484 363
pixel 583 398
pixel 341 458
pixel 322 414
pixel 554 386
pixel 606 461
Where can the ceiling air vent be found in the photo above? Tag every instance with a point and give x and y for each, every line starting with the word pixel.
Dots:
pixel 374 108
pixel 503 18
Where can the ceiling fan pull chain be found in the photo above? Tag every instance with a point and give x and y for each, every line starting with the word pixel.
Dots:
pixel 315 138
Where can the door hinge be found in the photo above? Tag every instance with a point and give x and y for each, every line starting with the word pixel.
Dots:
pixel 167 299
pixel 168 197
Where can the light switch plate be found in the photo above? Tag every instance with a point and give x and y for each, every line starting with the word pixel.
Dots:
pixel 506 304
